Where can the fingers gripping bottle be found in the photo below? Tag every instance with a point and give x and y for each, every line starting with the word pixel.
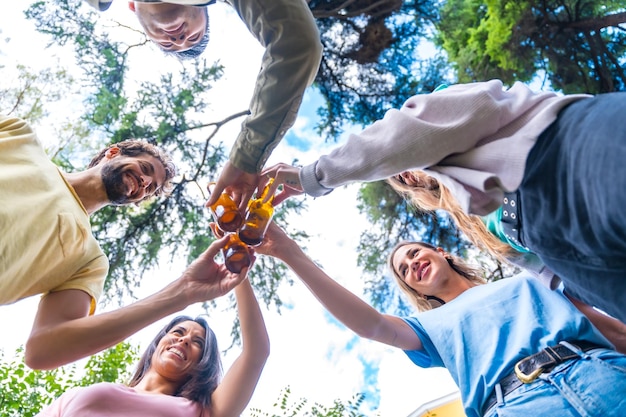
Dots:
pixel 258 217
pixel 225 212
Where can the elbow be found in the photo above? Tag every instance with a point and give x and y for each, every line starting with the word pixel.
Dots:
pixel 264 349
pixel 310 38
pixel 366 332
pixel 316 53
pixel 372 329
pixel 310 56
pixel 257 358
pixel 315 58
pixel 36 357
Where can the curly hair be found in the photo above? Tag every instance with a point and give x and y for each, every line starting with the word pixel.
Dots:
pixel 425 303
pixel 135 147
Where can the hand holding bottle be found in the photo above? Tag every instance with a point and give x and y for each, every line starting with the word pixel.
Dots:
pixel 258 217
pixel 225 212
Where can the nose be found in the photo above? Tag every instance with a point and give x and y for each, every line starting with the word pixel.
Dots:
pixel 179 39
pixel 145 181
pixel 407 178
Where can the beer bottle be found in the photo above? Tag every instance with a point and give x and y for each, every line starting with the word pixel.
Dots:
pixel 236 254
pixel 258 217
pixel 225 212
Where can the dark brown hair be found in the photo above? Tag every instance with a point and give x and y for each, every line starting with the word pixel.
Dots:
pixel 205 377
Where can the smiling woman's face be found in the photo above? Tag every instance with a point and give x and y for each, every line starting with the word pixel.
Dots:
pixel 173 27
pixel 420 267
pixel 179 351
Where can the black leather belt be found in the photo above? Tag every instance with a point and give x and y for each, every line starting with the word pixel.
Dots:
pixel 529 368
pixel 511 220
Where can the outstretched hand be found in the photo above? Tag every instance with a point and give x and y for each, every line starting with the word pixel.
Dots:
pixel 276 243
pixel 287 175
pixel 238 183
pixel 205 279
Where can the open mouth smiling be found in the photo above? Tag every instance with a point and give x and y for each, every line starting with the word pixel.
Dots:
pixel 134 184
pixel 178 353
pixel 422 270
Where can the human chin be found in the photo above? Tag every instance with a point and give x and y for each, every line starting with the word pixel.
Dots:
pixel 113 180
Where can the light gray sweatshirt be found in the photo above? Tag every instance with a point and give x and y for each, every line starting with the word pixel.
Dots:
pixel 474 138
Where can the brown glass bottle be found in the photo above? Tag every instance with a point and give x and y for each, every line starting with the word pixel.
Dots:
pixel 225 212
pixel 236 254
pixel 258 217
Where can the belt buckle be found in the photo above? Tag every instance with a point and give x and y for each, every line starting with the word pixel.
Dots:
pixel 527 378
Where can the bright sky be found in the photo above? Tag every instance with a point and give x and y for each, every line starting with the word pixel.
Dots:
pixel 312 353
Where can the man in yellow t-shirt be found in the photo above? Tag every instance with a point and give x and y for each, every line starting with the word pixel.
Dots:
pixel 47 246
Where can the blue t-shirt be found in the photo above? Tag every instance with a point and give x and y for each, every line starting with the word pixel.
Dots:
pixel 480 335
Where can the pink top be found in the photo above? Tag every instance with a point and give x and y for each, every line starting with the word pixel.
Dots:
pixel 107 399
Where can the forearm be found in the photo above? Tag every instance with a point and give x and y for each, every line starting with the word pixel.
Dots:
pixel 288 32
pixel 349 309
pixel 233 395
pixel 253 331
pixel 53 342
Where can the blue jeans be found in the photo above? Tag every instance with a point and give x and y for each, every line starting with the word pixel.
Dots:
pixel 593 386
pixel 573 201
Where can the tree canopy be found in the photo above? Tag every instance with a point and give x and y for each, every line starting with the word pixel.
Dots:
pixel 576 45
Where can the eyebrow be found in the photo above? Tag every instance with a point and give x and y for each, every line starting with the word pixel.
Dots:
pixel 406 254
pixel 400 267
pixel 148 165
pixel 183 328
pixel 151 171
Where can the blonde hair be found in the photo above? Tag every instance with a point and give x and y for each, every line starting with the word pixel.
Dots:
pixel 430 195
pixel 425 303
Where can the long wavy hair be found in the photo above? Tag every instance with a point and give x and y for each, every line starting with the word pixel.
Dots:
pixel 205 377
pixel 420 301
pixel 429 194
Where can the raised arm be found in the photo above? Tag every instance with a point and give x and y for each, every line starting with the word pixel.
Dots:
pixel 293 51
pixel 63 333
pixel 234 392
pixel 287 31
pixel 430 128
pixel 349 309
